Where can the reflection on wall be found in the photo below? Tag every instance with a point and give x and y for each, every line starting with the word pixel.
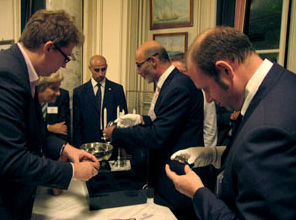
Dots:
pixel 73 72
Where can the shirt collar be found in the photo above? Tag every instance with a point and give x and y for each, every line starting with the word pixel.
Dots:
pixel 254 83
pixel 164 76
pixel 33 76
pixel 94 82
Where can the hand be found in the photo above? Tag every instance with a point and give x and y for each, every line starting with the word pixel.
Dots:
pixel 108 131
pixel 128 120
pixel 77 155
pixel 186 184
pixel 201 156
pixel 85 170
pixel 58 128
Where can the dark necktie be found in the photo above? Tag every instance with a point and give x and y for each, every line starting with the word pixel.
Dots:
pixel 99 95
pixel 234 131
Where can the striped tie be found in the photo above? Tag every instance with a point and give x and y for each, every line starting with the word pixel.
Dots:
pixel 44 109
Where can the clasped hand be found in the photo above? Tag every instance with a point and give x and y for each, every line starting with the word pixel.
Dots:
pixel 85 164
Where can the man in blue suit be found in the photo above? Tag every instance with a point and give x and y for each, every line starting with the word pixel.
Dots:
pixel 257 180
pixel 88 106
pixel 174 122
pixel 45 45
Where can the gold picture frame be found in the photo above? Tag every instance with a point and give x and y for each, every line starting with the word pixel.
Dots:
pixel 171 14
pixel 174 43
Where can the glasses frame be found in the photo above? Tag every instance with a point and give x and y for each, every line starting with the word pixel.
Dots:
pixel 147 59
pixel 67 58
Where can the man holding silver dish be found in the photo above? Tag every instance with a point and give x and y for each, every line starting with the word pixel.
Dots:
pixel 45 45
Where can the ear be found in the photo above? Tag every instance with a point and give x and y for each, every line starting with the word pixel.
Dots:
pixel 48 46
pixel 224 67
pixel 153 61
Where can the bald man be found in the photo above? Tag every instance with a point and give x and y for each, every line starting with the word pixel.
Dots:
pixel 89 105
pixel 175 120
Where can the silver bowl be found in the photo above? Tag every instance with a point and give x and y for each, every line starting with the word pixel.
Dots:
pixel 102 151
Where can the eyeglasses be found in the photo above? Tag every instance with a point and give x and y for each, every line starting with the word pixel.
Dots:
pixel 149 58
pixel 67 58
pixel 97 70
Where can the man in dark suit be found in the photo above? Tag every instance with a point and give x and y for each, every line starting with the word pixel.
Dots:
pixel 175 121
pixel 90 101
pixel 23 138
pixel 257 180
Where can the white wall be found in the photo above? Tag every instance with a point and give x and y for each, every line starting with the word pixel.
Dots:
pixel 9 20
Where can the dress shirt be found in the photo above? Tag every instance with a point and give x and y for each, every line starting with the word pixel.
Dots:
pixel 33 76
pixel 210 131
pixel 160 82
pixel 254 83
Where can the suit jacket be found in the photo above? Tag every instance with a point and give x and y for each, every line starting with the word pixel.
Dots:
pixel 63 113
pixel 22 138
pixel 86 112
pixel 260 169
pixel 178 125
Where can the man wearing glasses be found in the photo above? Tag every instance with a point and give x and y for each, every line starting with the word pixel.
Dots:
pixel 175 120
pixel 92 100
pixel 45 44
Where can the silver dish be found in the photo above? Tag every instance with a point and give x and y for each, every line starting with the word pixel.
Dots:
pixel 102 151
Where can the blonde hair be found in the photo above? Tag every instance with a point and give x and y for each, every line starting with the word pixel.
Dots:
pixel 45 81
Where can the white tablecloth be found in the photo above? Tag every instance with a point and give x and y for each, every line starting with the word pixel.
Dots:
pixel 73 204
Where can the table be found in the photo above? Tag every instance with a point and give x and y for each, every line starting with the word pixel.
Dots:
pixel 73 204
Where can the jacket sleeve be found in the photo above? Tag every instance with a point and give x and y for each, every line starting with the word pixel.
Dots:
pixel 18 162
pixel 207 206
pixel 171 116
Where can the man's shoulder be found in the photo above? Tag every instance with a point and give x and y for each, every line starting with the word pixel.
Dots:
pixel 110 83
pixel 81 87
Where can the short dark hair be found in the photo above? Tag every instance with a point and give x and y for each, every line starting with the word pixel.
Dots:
pixel 57 26
pixel 217 44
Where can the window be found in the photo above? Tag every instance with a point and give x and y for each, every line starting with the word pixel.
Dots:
pixel 266 24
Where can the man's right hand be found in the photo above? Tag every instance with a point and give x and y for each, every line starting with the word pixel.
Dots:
pixel 85 170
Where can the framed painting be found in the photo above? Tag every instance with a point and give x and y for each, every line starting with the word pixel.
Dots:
pixel 5 44
pixel 171 14
pixel 174 43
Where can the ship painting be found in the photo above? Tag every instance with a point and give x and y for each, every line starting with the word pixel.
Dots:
pixel 168 13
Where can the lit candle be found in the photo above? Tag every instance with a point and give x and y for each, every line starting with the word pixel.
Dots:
pixel 105 117
pixel 134 111
pixel 122 113
pixel 118 111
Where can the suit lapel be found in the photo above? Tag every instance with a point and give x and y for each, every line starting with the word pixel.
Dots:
pixel 163 88
pixel 90 96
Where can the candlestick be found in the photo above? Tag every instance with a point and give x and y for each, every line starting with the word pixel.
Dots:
pixel 118 111
pixel 105 117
